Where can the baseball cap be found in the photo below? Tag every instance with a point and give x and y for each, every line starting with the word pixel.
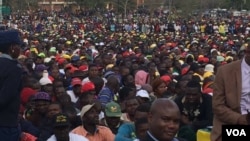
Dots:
pixel 83 68
pixel 41 68
pixel 166 78
pixel 113 109
pixel 88 87
pixel 60 120
pixel 45 79
pixel 75 58
pixel 142 93
pixel 76 81
pixel 86 108
pixel 42 96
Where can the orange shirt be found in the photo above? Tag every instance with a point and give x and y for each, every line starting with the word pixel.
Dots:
pixel 102 133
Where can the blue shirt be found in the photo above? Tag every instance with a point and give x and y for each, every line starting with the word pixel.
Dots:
pixel 105 96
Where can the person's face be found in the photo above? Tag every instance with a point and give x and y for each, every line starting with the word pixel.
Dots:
pixel 140 115
pixel 55 73
pixel 67 73
pixel 130 81
pixel 192 95
pixel 92 93
pixel 135 66
pixel 92 116
pixel 193 48
pixel 142 100
pixel 77 90
pixel 93 71
pixel 62 133
pixel 48 89
pixel 214 54
pixel 152 67
pixel 164 123
pixel 41 106
pixel 168 63
pixel 86 100
pixel 124 72
pixel 141 131
pixel 39 60
pixel 131 105
pixel 64 100
pixel 53 109
pixel 128 64
pixel 162 68
pixel 107 59
pixel 15 51
pixel 116 70
pixel 36 87
pixel 60 91
pixel 177 64
pixel 112 121
pixel 161 89
pixel 157 61
pixel 98 61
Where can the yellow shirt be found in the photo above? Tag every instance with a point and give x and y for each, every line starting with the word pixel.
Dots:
pixel 221 29
pixel 203 28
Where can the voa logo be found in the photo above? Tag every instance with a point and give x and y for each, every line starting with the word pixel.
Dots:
pixel 236 132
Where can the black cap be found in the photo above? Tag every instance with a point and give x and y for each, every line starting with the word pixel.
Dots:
pixel 61 120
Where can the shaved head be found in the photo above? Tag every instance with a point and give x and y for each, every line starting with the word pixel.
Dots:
pixel 164 119
pixel 163 103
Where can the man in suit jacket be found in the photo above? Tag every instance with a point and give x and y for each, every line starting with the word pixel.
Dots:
pixel 230 100
pixel 164 120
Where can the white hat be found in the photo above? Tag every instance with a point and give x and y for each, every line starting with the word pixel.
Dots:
pixel 209 68
pixel 86 108
pixel 45 79
pixel 212 50
pixel 47 60
pixel 142 93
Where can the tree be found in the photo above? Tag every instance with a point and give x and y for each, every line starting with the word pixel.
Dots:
pixel 124 5
pixel 91 3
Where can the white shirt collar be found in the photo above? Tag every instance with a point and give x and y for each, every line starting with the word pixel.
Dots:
pixel 245 67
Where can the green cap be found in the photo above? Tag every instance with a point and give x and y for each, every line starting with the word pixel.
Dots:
pixel 113 109
pixel 42 55
pixel 52 49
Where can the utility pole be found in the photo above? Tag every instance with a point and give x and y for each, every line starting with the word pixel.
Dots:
pixel 169 4
pixel 1 9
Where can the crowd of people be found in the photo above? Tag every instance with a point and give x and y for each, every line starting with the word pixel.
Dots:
pixel 90 77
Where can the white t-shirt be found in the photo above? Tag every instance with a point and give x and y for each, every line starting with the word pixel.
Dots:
pixel 85 80
pixel 72 96
pixel 72 137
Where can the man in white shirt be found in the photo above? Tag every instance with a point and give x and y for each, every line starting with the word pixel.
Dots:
pixel 61 128
pixel 76 84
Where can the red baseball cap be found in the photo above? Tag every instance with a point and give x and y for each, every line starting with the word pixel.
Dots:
pixel 83 68
pixel 166 78
pixel 89 86
pixel 76 81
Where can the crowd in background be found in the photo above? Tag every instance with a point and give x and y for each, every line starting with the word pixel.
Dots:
pixel 103 73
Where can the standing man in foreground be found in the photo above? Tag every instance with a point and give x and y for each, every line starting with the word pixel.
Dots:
pixel 10 85
pixel 231 98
